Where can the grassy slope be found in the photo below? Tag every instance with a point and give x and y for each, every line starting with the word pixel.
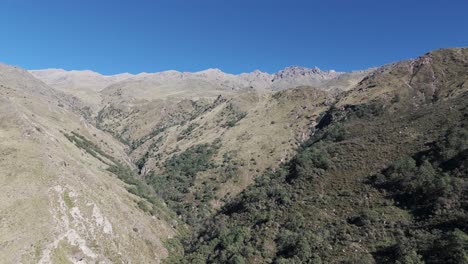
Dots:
pixel 58 203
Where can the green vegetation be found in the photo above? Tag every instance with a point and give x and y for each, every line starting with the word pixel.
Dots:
pixel 139 187
pixel 230 116
pixel 67 199
pixel 154 133
pixel 228 169
pixel 433 185
pixel 367 111
pixel 239 232
pixel 83 143
pixel 140 163
pixel 233 121
pixel 178 176
pixel 175 249
pixel 186 132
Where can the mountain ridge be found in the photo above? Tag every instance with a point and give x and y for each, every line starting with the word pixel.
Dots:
pixel 54 76
pixel 287 68
pixel 94 88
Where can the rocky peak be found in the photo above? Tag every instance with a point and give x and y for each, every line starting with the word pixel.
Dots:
pixel 298 71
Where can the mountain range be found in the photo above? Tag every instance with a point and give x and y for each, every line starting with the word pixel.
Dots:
pixel 300 166
pixel 87 84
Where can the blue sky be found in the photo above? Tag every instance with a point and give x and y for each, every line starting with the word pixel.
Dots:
pixel 233 35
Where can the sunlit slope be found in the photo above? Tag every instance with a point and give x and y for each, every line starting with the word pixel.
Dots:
pixel 58 203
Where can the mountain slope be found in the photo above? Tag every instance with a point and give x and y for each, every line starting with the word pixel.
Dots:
pixel 372 185
pixel 58 203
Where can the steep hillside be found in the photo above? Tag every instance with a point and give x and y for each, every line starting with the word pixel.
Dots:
pixel 383 179
pixel 59 203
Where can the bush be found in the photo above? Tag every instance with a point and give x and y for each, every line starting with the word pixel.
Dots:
pixel 335 133
pixel 310 161
pixel 143 206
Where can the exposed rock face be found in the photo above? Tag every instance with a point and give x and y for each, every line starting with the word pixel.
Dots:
pixel 296 71
pixel 299 76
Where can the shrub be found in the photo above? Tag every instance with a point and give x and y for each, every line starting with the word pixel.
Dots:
pixel 335 133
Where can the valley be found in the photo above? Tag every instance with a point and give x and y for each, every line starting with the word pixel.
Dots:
pixel 300 166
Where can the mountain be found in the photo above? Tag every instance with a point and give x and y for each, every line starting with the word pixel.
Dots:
pixel 299 166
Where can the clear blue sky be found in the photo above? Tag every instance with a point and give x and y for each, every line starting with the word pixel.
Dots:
pixel 233 35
